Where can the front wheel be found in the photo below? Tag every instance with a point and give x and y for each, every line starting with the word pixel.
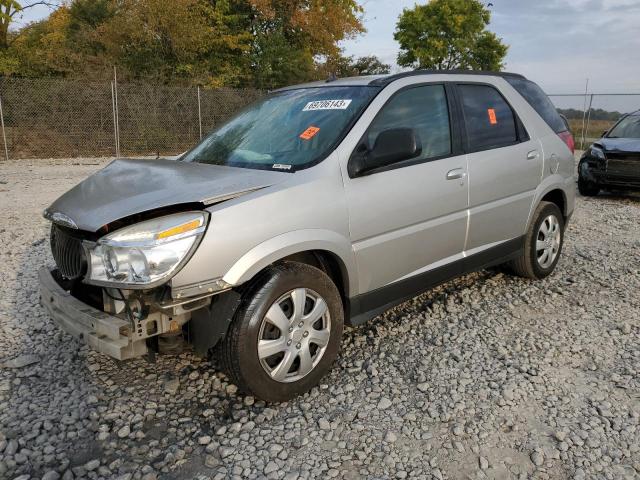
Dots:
pixel 543 243
pixel 586 187
pixel 286 334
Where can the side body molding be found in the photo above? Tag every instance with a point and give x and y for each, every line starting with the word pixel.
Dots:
pixel 289 243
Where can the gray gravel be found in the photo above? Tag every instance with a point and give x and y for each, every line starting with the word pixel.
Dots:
pixel 488 376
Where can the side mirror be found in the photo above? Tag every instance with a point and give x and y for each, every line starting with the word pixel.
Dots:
pixel 391 146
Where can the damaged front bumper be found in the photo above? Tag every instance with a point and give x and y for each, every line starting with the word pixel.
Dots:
pixel 127 336
pixel 103 332
pixel 599 174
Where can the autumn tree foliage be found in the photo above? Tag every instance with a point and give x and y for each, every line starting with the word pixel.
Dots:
pixel 262 43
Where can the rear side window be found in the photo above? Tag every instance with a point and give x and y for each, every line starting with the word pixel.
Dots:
pixel 489 120
pixel 534 95
pixel 422 108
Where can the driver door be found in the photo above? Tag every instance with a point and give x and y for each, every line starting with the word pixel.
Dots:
pixel 410 217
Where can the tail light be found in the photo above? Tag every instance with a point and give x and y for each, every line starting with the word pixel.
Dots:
pixel 567 138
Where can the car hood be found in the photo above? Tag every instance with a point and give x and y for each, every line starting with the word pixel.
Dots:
pixel 128 187
pixel 620 144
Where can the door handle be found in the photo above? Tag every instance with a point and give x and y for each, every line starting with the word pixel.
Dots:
pixel 455 174
pixel 533 154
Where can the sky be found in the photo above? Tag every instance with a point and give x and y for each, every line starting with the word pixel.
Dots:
pixel 556 43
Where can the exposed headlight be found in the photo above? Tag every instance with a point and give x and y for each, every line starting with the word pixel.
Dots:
pixel 147 253
pixel 597 152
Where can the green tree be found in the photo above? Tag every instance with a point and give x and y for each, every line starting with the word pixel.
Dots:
pixel 43 49
pixel 342 66
pixel 449 34
pixel 370 65
pixel 291 37
pixel 9 9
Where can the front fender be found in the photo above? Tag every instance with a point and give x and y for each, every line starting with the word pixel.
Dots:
pixel 585 172
pixel 290 243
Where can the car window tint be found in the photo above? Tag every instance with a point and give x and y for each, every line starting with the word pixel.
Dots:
pixel 534 95
pixel 488 118
pixel 628 127
pixel 286 130
pixel 422 108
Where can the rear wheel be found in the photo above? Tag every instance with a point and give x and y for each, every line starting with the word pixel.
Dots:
pixel 286 334
pixel 543 243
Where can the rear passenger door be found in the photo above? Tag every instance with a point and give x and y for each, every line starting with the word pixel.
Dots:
pixel 505 166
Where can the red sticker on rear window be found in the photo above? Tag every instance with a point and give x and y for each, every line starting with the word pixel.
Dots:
pixel 309 133
pixel 492 116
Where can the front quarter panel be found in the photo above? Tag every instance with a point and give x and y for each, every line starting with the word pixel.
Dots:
pixel 287 244
pixel 246 234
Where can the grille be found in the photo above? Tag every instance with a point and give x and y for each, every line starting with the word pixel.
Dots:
pixel 623 164
pixel 68 253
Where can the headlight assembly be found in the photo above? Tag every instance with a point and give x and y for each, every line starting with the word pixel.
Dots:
pixel 597 152
pixel 147 253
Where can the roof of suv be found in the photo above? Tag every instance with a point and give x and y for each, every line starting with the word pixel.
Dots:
pixel 383 80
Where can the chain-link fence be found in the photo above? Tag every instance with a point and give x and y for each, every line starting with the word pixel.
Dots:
pixel 47 118
pixel 592 114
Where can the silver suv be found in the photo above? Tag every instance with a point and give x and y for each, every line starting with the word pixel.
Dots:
pixel 319 204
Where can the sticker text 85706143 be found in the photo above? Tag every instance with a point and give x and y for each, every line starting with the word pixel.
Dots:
pixel 326 105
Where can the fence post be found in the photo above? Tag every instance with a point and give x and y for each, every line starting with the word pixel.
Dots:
pixel 4 135
pixel 199 113
pixel 117 111
pixel 584 113
pixel 586 130
pixel 115 122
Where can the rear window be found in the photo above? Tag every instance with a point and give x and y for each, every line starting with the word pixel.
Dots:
pixel 533 94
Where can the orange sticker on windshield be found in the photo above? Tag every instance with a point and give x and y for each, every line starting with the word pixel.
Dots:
pixel 492 116
pixel 309 133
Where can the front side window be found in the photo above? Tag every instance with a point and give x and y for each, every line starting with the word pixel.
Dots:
pixel 425 110
pixel 489 120
pixel 285 131
pixel 628 127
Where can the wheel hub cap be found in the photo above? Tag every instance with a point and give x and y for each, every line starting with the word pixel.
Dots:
pixel 548 241
pixel 294 335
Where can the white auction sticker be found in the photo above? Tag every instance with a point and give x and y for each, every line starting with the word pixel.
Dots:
pixel 326 105
pixel 281 166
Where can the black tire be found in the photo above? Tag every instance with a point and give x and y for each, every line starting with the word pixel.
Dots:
pixel 528 265
pixel 586 187
pixel 238 352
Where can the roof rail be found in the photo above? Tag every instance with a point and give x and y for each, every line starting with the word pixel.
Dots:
pixel 391 78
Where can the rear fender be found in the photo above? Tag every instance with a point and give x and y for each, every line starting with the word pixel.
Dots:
pixel 555 182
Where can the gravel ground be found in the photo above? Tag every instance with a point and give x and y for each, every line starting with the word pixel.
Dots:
pixel 488 376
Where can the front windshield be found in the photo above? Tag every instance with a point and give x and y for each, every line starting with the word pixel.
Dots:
pixel 285 131
pixel 629 127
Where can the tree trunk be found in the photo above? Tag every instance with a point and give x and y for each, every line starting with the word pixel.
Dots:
pixel 4 27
